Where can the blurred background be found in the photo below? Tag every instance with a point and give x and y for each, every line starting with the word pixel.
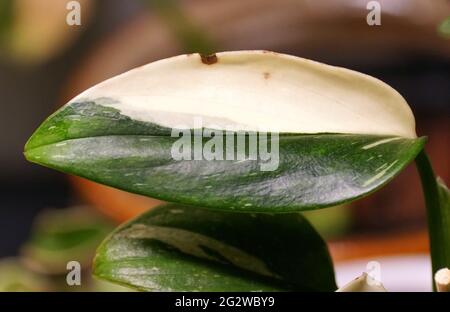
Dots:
pixel 47 217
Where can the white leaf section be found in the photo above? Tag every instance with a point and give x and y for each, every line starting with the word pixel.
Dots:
pixel 363 283
pixel 259 91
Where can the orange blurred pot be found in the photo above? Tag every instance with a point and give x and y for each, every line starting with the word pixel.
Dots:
pixel 116 204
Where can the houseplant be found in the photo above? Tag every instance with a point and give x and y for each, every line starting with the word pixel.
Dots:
pixel 184 130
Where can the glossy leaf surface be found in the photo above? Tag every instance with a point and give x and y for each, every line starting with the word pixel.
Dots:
pixel 180 248
pixel 313 171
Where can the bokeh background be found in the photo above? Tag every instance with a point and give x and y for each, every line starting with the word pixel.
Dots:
pixel 44 62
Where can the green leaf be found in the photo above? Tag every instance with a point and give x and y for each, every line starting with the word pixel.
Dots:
pixel 444 223
pixel 99 143
pixel 16 278
pixel 341 134
pixel 444 28
pixel 6 20
pixel 60 236
pixel 181 248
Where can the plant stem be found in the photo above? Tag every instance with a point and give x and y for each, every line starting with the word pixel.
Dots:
pixel 437 214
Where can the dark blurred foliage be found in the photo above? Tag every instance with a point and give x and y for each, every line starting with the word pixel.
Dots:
pixel 28 95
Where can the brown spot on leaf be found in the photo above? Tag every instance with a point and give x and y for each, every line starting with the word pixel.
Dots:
pixel 266 75
pixel 209 59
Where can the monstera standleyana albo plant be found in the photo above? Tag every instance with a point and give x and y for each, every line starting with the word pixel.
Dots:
pixel 182 129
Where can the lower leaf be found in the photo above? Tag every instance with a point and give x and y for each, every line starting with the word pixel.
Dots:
pixel 182 248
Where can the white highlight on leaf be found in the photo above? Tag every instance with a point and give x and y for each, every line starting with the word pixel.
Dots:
pixel 372 145
pixel 379 175
pixel 381 167
pixel 191 243
pixel 134 276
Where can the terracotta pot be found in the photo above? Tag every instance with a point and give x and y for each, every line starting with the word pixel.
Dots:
pixel 116 204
